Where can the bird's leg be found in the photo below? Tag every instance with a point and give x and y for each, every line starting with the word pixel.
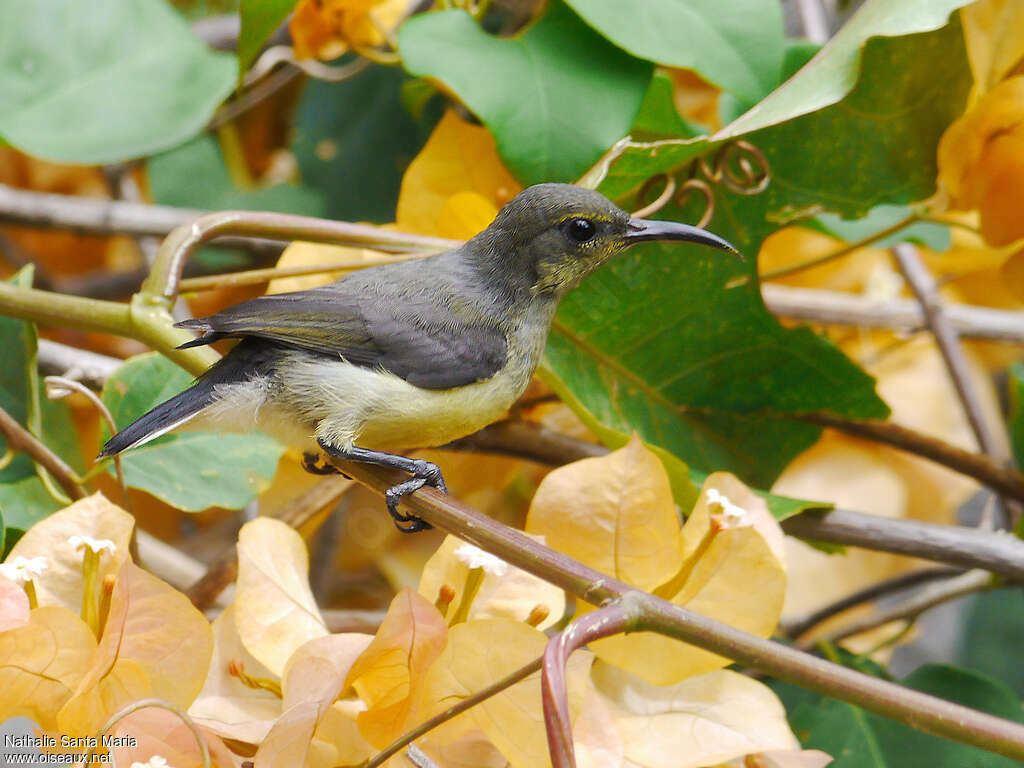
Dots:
pixel 423 473
pixel 311 463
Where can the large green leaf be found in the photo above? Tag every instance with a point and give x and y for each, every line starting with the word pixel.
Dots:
pixel 104 81
pixel 991 630
pixel 555 97
pixel 23 498
pixel 189 470
pixel 735 44
pixel 859 739
pixel 259 20
pixel 675 341
pixel 896 93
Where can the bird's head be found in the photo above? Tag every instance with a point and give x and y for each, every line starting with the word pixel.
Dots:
pixel 560 233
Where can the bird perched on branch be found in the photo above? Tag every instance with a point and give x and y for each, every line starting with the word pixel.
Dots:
pixel 408 355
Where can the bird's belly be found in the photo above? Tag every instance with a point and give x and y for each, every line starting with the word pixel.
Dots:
pixel 351 405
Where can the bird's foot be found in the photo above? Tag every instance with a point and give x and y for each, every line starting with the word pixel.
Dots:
pixel 423 473
pixel 311 463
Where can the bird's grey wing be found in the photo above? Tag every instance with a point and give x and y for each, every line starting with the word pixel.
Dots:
pixel 418 340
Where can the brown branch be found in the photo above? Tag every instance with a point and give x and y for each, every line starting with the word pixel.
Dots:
pixel 456 709
pixel 985 469
pixel 20 439
pixel 794 628
pixel 836 308
pixel 926 291
pixel 936 594
pixel 529 440
pixel 618 616
pixel 957 545
pixel 295 513
pixel 921 711
pixel 90 368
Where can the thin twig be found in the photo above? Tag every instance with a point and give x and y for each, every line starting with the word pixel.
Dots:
pixel 164 281
pixel 526 440
pixel 935 594
pixel 89 368
pixel 297 512
pixel 838 308
pixel 921 711
pixel 957 545
pixel 794 628
pixel 849 248
pixel 285 54
pixel 60 386
pixel 814 19
pixel 20 439
pixel 259 276
pixel 256 94
pixel 204 751
pixel 985 469
pixel 926 291
pixel 456 709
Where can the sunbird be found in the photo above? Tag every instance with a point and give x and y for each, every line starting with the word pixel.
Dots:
pixel 412 354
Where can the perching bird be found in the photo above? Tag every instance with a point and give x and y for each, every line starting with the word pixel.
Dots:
pixel 413 354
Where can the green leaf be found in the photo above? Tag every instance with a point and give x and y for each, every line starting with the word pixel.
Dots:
pixel 859 739
pixel 735 44
pixel 655 342
pixel 674 341
pixel 259 20
pixel 190 470
pixel 23 498
pixel 555 97
pixel 354 140
pixel 992 627
pixel 1015 385
pixel 932 235
pixel 106 81
pixel 834 72
pixel 195 176
pixel 910 88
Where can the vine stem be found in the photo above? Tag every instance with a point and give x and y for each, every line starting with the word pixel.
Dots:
pixel 20 439
pixel 843 251
pixel 456 709
pixel 919 710
pixel 962 585
pixel 621 615
pixel 204 751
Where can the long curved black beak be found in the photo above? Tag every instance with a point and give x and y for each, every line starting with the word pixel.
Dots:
pixel 642 230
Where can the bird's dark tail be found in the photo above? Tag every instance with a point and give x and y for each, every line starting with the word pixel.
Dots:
pixel 250 357
pixel 162 419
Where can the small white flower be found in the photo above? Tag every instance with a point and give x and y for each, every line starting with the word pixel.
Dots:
pixel 156 761
pixel 96 545
pixel 22 569
pixel 474 557
pixel 727 507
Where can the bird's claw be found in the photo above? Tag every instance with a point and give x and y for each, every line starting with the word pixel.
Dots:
pixel 425 473
pixel 311 463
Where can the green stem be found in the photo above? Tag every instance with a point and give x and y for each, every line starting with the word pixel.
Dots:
pixel 846 249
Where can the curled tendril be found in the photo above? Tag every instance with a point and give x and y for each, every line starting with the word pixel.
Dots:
pixel 742 168
pixel 661 200
pixel 697 185
pixel 739 166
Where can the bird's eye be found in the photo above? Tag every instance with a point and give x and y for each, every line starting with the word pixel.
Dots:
pixel 580 230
